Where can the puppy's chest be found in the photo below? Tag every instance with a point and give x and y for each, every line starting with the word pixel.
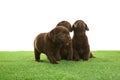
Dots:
pixel 81 43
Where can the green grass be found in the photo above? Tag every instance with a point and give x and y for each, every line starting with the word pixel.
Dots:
pixel 20 65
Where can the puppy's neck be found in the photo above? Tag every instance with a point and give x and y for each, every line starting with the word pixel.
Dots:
pixel 49 38
pixel 79 34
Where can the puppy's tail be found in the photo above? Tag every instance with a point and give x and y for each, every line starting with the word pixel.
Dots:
pixel 91 55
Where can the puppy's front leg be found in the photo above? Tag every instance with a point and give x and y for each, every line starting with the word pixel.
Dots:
pixel 76 56
pixel 51 58
pixel 70 53
pixel 58 56
pixel 57 53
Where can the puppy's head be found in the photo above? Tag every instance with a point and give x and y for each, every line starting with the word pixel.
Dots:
pixel 80 26
pixel 60 35
pixel 65 24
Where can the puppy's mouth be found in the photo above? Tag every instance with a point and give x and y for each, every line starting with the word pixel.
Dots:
pixel 63 42
pixel 67 44
pixel 59 41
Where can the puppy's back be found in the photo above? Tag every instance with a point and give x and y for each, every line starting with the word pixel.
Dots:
pixel 39 40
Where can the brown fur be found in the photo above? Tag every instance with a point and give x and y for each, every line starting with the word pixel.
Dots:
pixel 81 48
pixel 50 43
pixel 66 51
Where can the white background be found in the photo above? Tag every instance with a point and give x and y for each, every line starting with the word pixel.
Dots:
pixel 22 20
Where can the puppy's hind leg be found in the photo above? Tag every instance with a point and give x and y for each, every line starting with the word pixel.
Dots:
pixel 37 55
pixel 85 56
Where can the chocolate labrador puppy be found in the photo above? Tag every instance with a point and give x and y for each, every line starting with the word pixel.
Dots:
pixel 50 43
pixel 81 48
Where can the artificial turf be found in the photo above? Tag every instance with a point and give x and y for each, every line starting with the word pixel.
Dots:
pixel 20 65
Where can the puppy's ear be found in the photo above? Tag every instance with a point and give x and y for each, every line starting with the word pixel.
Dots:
pixel 86 27
pixel 52 35
pixel 72 28
pixel 69 27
